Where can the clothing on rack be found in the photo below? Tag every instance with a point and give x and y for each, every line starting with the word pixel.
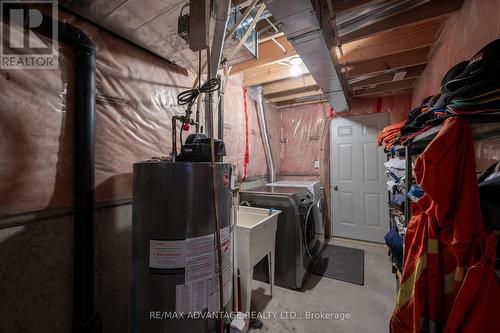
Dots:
pixel 445 235
pixel 395 242
pixel 389 134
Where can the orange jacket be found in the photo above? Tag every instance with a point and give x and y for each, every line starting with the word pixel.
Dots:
pixel 454 234
pixel 477 304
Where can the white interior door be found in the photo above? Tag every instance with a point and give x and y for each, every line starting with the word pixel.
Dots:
pixel 358 182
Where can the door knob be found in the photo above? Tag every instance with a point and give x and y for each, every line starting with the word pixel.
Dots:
pixel 335 188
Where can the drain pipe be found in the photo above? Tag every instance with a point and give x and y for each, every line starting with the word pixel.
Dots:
pixel 85 318
pixel 255 93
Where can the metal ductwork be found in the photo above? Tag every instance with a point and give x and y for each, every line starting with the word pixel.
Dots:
pixel 303 29
pixel 221 12
pixel 256 94
pixel 373 12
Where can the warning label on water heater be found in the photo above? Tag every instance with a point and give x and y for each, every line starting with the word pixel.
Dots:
pixel 167 254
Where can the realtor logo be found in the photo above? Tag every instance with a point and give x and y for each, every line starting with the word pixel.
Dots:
pixel 28 31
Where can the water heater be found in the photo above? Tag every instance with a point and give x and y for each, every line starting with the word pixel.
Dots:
pixel 174 258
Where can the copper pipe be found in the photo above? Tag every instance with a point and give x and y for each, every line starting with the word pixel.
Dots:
pixel 173 154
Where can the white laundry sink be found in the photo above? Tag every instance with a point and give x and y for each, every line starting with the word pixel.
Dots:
pixel 255 239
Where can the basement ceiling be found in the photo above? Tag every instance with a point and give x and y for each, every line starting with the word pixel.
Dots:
pixel 380 46
pixel 151 24
pixel 385 54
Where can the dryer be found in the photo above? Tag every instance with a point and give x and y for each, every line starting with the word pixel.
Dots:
pixel 319 211
pixel 297 243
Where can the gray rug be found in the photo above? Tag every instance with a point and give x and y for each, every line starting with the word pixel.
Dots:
pixel 342 263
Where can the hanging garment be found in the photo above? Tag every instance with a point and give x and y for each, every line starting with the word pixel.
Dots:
pixel 453 235
pixel 411 304
pixel 477 304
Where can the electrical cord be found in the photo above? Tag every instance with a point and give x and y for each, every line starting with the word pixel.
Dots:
pixel 189 97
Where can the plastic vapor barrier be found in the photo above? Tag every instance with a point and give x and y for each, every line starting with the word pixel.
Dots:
pixel 136 98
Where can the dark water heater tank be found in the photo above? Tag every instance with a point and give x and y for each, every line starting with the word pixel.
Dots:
pixel 174 258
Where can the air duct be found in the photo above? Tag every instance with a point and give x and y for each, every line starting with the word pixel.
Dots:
pixel 255 93
pixel 302 28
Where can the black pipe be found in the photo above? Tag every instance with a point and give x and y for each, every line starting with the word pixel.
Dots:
pixel 85 318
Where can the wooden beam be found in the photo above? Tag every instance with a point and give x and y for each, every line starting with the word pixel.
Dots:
pixel 275 35
pixel 271 73
pixel 393 61
pixel 390 86
pixel 411 72
pixel 292 92
pixel 269 52
pixel 295 94
pixel 284 106
pixel 361 51
pixel 427 11
pixel 384 36
pixel 303 81
pixel 293 102
pixel 407 91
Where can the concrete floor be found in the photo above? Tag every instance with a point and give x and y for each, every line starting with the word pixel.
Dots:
pixel 369 306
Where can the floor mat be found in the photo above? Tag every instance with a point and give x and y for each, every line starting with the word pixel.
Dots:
pixel 342 263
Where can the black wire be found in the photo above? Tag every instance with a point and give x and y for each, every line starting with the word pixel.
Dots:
pixel 189 97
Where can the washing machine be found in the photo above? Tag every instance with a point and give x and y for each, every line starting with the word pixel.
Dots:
pixel 319 211
pixel 297 242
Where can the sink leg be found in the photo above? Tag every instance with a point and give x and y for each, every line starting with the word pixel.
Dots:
pixel 270 259
pixel 246 278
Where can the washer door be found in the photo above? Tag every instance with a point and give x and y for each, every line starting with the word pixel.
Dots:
pixel 321 215
pixel 314 237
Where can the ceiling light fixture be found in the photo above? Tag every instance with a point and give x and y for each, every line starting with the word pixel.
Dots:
pixel 295 71
pixel 295 61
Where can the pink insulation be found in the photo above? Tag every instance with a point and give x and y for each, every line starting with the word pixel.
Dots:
pixel 305 139
pixel 234 133
pixel 397 106
pixel 463 34
pixel 136 98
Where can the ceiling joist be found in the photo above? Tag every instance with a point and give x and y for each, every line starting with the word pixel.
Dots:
pixel 301 82
pixel 385 36
pixel 404 42
pixel 271 73
pixel 403 91
pixel 384 87
pixel 294 103
pixel 393 61
pixel 269 52
pixel 411 72
pixel 427 11
pixel 293 94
